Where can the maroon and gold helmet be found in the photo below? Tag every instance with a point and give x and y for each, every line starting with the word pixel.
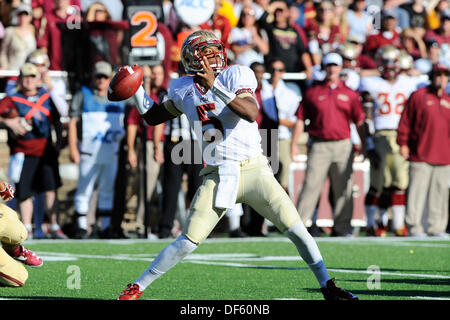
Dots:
pixel 191 52
pixel 387 61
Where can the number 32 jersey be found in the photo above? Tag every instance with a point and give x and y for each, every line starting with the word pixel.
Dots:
pixel 389 98
pixel 226 136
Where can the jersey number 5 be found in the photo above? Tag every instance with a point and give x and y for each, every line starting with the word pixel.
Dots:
pixel 386 107
pixel 209 123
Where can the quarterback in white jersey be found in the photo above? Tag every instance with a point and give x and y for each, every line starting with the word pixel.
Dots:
pixel 220 98
pixel 384 98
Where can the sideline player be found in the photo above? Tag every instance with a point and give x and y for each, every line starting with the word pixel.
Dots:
pixel 12 233
pixel 221 98
pixel 384 98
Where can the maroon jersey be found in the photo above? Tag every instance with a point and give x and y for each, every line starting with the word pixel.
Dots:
pixel 331 111
pixel 425 127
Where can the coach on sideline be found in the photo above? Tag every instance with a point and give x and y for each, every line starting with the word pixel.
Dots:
pixel 330 107
pixel 423 135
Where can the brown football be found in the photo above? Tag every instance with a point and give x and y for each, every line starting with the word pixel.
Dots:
pixel 125 83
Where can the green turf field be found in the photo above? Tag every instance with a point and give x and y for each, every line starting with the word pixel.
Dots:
pixel 245 269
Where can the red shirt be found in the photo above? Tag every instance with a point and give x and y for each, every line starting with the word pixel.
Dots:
pixel 425 127
pixel 31 147
pixel 330 111
pixel 220 25
pixel 52 39
pixel 378 40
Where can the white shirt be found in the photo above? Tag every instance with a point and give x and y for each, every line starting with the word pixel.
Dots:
pixel 235 138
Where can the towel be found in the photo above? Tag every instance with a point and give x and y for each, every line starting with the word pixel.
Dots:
pixel 227 189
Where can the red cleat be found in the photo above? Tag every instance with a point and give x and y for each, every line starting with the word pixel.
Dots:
pixel 27 257
pixel 131 292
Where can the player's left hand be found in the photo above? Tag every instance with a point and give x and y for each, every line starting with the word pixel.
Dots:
pixel 207 75
pixel 8 193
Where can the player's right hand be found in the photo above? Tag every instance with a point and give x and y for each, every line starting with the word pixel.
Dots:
pixel 8 192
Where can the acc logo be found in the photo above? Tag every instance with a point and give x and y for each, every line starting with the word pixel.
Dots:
pixel 109 137
pixel 194 12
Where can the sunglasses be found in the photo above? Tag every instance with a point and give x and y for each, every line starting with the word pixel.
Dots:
pixel 278 69
pixel 101 76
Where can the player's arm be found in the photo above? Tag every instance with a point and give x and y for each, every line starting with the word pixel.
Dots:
pixel 244 105
pixel 152 112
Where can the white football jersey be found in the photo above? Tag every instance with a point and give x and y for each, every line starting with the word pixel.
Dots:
pixel 226 136
pixel 389 98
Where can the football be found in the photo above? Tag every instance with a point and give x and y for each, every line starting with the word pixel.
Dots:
pixel 125 83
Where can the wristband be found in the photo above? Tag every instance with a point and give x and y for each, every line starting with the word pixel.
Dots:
pixel 222 92
pixel 143 102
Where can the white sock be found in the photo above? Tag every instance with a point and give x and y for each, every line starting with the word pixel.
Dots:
pixel 55 227
pixel 398 217
pixel 82 222
pixel 384 217
pixel 234 221
pixel 165 260
pixel 105 221
pixel 371 212
pixel 320 271
pixel 29 227
pixel 309 251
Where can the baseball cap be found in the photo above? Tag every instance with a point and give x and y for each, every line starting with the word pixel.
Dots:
pixel 332 58
pixel 28 69
pixel 23 7
pixel 102 68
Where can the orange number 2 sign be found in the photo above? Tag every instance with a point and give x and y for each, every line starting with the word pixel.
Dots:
pixel 144 37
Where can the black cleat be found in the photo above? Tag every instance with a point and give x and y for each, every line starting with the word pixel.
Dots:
pixel 333 292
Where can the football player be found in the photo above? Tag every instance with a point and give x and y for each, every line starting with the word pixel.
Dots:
pixel 384 98
pixel 219 103
pixel 12 233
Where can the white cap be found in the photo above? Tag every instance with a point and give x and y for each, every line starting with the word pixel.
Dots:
pixel 332 58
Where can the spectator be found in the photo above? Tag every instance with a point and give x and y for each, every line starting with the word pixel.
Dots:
pixel 280 100
pixel 388 34
pixel 63 13
pixel 34 158
pixel 218 24
pixel 340 18
pixel 154 141
pixel 441 34
pixel 284 41
pixel 391 7
pixel 434 11
pixel 360 23
pixel 330 107
pixel 95 132
pixel 248 42
pixel 324 36
pixel 413 43
pixel 417 15
pixel 19 40
pixel 424 65
pixel 427 116
pixel 294 13
pixel 105 35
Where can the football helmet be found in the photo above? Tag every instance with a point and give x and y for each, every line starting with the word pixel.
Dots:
pixel 191 52
pixel 349 52
pixel 39 58
pixel 386 58
pixel 405 61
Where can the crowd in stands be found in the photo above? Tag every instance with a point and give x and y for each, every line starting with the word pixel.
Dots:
pixel 291 45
